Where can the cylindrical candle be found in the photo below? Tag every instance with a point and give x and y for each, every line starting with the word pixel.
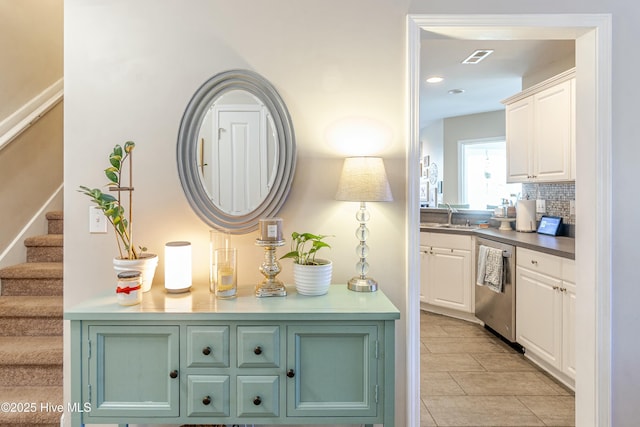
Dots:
pixel 177 266
pixel 270 229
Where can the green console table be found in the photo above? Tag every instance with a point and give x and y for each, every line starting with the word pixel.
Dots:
pixel 195 359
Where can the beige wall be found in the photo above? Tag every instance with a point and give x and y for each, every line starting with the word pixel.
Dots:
pixel 30 50
pixel 30 61
pixel 30 172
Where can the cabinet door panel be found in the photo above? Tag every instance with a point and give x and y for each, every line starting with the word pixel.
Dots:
pixel 519 123
pixel 258 396
pixel 208 346
pixel 569 329
pixel 129 370
pixel 335 370
pixel 258 346
pixel 539 315
pixel 449 278
pixel 552 133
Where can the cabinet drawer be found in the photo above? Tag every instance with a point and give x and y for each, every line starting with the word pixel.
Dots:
pixel 443 240
pixel 258 396
pixel 258 346
pixel 208 346
pixel 550 265
pixel 208 395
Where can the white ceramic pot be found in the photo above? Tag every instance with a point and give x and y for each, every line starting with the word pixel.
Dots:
pixel 146 265
pixel 313 279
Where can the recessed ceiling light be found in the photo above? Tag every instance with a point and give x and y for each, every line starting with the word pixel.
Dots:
pixel 477 56
pixel 434 79
pixel 456 91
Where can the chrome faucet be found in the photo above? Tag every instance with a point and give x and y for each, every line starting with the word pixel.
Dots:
pixel 451 212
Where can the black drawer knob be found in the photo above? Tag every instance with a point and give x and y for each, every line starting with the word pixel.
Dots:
pixel 257 350
pixel 206 400
pixel 173 374
pixel 206 351
pixel 291 373
pixel 257 401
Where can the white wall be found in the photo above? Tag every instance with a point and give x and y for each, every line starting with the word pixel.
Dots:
pixel 130 68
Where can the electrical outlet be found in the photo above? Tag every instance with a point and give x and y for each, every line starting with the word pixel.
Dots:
pixel 541 206
pixel 572 207
pixel 97 220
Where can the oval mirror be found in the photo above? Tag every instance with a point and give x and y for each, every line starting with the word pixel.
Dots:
pixel 236 151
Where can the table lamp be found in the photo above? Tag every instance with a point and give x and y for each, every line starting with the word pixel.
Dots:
pixel 363 179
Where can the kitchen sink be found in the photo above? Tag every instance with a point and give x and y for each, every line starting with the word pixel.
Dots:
pixel 450 226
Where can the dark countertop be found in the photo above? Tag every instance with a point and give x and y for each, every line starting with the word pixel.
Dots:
pixel 555 245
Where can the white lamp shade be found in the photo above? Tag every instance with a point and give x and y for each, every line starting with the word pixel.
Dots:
pixel 364 179
pixel 177 266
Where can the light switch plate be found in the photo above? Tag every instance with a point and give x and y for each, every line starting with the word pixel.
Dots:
pixel 97 220
pixel 572 207
pixel 541 206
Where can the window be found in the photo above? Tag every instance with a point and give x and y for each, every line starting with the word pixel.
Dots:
pixel 483 173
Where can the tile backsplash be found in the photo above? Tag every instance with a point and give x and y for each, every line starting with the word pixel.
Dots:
pixel 557 197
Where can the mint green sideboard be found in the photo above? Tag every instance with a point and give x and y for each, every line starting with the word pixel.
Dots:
pixel 193 359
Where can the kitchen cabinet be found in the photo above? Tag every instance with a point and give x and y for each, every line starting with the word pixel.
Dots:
pixel 193 359
pixel 540 132
pixel 545 311
pixel 446 271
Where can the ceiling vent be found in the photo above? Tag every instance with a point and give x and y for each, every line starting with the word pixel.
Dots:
pixel 477 56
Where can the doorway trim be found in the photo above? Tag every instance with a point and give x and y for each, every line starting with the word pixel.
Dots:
pixel 593 36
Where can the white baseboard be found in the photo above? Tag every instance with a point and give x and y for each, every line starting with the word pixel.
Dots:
pixel 16 252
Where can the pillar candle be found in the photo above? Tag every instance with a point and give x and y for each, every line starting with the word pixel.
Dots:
pixel 271 229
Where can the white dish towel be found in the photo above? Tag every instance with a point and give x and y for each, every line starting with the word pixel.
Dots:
pixel 490 268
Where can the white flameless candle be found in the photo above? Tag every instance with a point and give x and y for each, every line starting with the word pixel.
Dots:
pixel 177 266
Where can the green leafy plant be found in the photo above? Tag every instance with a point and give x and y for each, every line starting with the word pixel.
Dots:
pixel 111 206
pixel 299 244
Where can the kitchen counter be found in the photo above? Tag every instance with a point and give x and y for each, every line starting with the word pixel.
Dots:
pixel 555 245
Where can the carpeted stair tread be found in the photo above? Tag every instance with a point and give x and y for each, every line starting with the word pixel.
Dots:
pixel 46 399
pixel 53 215
pixel 55 240
pixel 31 306
pixel 33 270
pixel 38 350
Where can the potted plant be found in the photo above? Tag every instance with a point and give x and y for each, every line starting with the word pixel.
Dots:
pixel 129 257
pixel 311 275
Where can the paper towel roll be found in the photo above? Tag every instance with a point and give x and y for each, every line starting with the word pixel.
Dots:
pixel 526 216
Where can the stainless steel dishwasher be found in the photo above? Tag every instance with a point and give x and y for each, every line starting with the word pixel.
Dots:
pixel 498 310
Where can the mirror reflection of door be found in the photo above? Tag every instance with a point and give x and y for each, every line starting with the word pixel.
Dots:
pixel 239 181
pixel 237 153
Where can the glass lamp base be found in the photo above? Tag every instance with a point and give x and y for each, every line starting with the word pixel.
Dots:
pixel 271 288
pixel 362 284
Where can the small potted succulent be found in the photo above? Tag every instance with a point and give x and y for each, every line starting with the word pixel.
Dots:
pixel 311 275
pixel 129 257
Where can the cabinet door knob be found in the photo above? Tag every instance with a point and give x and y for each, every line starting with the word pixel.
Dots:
pixel 534 262
pixel 173 374
pixel 257 401
pixel 206 400
pixel 257 350
pixel 291 373
pixel 206 351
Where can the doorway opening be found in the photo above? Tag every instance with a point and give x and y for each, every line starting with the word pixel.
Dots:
pixel 592 35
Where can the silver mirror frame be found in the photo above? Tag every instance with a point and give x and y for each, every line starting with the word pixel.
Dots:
pixel 187 150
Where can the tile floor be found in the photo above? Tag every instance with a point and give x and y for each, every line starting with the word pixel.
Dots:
pixel 470 378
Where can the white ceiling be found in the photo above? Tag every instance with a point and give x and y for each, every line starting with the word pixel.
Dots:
pixel 485 84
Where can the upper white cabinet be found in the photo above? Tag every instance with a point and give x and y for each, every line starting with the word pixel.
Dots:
pixel 541 131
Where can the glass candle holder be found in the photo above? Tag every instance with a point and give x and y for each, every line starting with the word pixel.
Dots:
pixel 225 280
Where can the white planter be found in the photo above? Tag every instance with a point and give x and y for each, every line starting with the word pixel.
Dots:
pixel 146 265
pixel 313 279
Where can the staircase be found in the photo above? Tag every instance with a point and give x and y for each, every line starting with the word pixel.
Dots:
pixel 31 309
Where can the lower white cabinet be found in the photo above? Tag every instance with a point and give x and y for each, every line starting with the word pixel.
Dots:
pixel 294 360
pixel 545 310
pixel 446 270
